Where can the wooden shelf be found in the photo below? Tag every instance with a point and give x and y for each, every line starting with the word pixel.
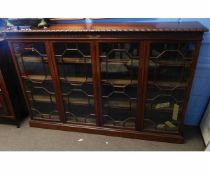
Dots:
pixel 170 63
pixel 43 98
pixel 77 79
pixel 168 84
pixel 66 60
pixel 49 78
pixel 79 101
pixel 80 79
pixel 120 61
pixel 75 101
pixel 84 101
pixel 37 77
pixel 33 59
pixel 120 104
pixel 127 63
pixel 120 81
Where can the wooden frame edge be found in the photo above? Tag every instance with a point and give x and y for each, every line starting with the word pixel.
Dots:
pixel 170 138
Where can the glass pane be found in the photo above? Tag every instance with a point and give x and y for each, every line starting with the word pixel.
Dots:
pixel 119 74
pixel 168 73
pixel 75 73
pixel 33 63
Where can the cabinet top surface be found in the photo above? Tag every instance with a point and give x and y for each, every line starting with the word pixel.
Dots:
pixel 121 27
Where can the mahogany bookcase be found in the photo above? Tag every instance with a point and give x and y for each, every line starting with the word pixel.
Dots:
pixel 121 79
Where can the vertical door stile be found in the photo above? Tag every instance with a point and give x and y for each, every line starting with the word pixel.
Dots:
pixel 55 79
pixel 142 78
pixel 189 86
pixel 139 88
pixel 19 77
pixel 96 81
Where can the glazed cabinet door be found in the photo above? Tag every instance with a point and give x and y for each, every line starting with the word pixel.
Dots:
pixel 34 70
pixel 74 65
pixel 119 71
pixel 168 69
